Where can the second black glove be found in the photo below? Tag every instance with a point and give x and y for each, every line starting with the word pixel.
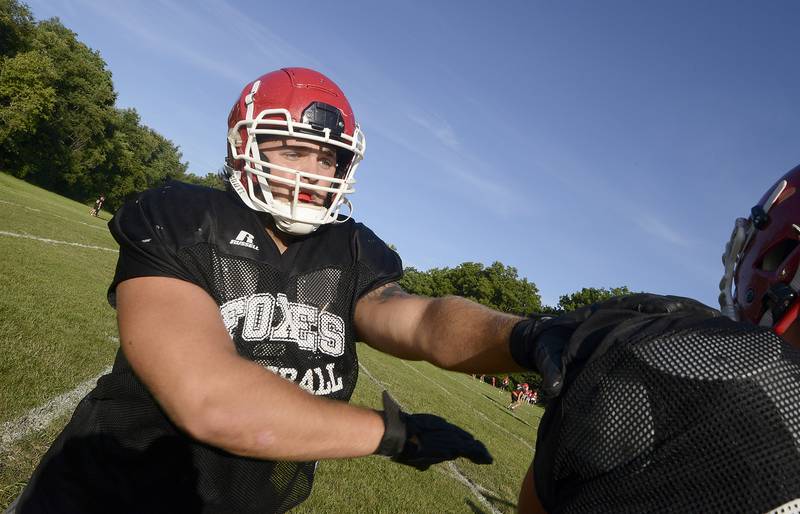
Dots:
pixel 421 440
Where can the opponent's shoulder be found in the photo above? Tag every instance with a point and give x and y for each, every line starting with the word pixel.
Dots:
pixel 693 322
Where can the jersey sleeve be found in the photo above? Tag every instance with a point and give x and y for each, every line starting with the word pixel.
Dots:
pixel 377 263
pixel 147 235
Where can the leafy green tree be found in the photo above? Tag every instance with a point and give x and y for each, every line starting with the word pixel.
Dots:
pixel 139 158
pixel 417 282
pixel 16 26
pixel 72 123
pixel 27 98
pixel 211 179
pixel 496 286
pixel 588 296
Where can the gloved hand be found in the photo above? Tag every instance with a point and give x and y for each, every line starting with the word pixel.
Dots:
pixel 541 343
pixel 420 440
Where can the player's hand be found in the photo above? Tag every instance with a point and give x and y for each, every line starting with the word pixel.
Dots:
pixel 543 344
pixel 420 440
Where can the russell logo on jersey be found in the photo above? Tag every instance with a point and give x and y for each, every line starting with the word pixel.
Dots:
pixel 244 239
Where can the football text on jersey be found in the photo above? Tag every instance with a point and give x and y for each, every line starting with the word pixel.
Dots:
pixel 319 381
pixel 276 319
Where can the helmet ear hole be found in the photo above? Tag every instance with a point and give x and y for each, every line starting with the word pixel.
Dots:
pixel 777 254
pixel 343 160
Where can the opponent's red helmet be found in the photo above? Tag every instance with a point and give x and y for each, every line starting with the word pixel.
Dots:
pixel 763 259
pixel 302 104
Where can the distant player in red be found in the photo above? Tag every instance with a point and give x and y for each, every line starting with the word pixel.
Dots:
pixel 519 395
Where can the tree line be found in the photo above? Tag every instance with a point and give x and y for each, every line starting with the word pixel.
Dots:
pixel 499 287
pixel 59 126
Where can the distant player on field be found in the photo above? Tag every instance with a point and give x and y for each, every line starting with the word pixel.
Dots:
pixel 98 204
pixel 668 406
pixel 518 395
pixel 238 314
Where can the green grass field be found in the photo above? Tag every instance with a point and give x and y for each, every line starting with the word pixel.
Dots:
pixel 57 331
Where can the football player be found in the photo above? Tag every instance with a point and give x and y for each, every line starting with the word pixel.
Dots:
pixel 669 406
pixel 518 396
pixel 238 314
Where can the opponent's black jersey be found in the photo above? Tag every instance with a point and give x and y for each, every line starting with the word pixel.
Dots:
pixel 674 413
pixel 292 313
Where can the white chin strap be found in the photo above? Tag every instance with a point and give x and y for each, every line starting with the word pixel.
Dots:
pixel 290 226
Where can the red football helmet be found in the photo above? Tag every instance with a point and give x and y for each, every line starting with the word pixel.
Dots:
pixel 762 259
pixel 301 104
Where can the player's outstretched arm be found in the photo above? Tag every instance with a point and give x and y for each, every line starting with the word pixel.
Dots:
pixel 451 332
pixel 174 338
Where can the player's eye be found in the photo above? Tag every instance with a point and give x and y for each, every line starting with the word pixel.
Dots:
pixel 291 155
pixel 326 162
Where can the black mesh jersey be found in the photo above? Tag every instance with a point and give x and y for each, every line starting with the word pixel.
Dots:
pixel 675 413
pixel 292 313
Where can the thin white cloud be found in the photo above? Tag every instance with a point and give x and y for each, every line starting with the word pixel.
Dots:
pixel 245 48
pixel 659 229
pixel 437 126
pixel 254 43
pixel 138 24
pixel 472 180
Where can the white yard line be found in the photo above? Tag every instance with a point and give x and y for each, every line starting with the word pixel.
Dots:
pixel 39 198
pixel 54 241
pixel 452 469
pixel 481 414
pixel 41 416
pixel 20 205
pixel 51 214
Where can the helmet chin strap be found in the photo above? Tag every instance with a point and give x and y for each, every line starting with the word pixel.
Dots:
pixel 296 228
pixel 299 228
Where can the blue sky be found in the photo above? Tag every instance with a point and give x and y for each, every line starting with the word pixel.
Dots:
pixel 584 143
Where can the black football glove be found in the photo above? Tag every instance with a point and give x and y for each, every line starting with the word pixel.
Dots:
pixel 420 440
pixel 543 343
